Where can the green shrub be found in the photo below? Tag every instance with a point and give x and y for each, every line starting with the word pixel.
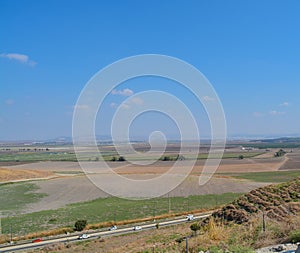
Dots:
pixel 195 227
pixel 80 225
pixel 121 159
pixel 240 249
pixel 294 236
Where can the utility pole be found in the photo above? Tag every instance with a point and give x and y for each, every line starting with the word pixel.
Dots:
pixel 10 228
pixel 169 200
pixel 186 245
pixel 264 222
pixel 0 224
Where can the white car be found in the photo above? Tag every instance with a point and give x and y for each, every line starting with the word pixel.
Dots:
pixel 83 236
pixel 137 228
pixel 112 228
pixel 190 217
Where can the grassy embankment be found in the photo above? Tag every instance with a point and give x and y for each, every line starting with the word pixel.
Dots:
pixel 106 210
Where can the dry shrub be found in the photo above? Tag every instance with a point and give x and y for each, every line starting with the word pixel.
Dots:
pixel 277 231
pixel 215 230
pixel 249 234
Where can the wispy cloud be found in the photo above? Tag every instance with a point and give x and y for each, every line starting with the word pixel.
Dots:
pixel 9 101
pixel 129 103
pixel 275 113
pixel 136 101
pixel 113 105
pixel 207 98
pixel 258 114
pixel 81 107
pixel 125 92
pixel 22 58
pixel 285 104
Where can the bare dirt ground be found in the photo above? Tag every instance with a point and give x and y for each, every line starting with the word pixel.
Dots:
pixel 63 191
pixel 227 165
pixel 293 162
pixel 69 187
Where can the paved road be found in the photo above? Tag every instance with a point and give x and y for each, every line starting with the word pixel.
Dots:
pixel 121 231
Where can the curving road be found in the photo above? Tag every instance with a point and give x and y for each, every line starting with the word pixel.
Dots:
pixel 121 231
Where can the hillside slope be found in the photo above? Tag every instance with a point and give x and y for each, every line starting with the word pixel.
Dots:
pixel 276 201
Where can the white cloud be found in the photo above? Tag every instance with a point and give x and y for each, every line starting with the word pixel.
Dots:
pixel 258 114
pixel 9 102
pixel 285 104
pixel 113 105
pixel 81 107
pixel 22 58
pixel 129 103
pixel 136 101
pixel 207 98
pixel 274 113
pixel 125 106
pixel 125 92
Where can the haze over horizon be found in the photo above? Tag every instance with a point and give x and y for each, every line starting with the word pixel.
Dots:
pixel 249 51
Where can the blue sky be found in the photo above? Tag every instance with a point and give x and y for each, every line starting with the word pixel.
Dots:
pixel 249 50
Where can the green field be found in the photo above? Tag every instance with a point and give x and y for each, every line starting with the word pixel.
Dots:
pixel 233 155
pixel 267 177
pixel 107 156
pixel 109 209
pixel 14 196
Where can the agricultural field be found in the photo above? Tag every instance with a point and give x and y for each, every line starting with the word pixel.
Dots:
pixel 237 227
pixel 109 209
pixel 48 194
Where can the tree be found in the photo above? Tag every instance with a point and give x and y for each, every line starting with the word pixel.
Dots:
pixel 241 157
pixel 121 159
pixel 195 227
pixel 80 225
pixel 281 152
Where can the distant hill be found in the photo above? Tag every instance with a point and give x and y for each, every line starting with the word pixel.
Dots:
pixel 283 142
pixel 279 140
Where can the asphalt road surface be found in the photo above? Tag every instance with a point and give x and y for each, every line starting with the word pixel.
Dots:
pixel 94 235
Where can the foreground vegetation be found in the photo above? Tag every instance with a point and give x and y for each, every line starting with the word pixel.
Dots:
pixel 215 237
pixel 265 216
pixel 110 210
pixel 14 196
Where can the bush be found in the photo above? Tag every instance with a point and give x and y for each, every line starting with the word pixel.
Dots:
pixel 281 152
pixel 241 249
pixel 121 159
pixel 166 158
pixel 294 236
pixel 80 225
pixel 195 227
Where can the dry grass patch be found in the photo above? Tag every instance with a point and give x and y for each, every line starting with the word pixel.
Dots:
pixel 8 175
